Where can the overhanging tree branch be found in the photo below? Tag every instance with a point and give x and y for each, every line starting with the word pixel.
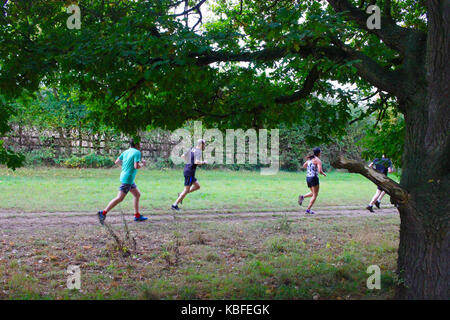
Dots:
pixel 392 35
pixel 368 69
pixel 267 54
pixel 397 193
pixel 306 89
pixel 194 8
pixel 199 21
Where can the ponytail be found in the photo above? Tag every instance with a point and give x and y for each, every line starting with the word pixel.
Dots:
pixel 310 155
pixel 314 153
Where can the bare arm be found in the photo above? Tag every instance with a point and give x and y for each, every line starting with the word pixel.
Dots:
pixel 118 161
pixel 319 167
pixel 198 158
pixel 138 165
pixel 371 165
pixel 305 164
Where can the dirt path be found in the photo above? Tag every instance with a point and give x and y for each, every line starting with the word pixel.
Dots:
pixel 31 221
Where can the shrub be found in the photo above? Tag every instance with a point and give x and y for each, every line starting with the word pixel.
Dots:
pixel 89 161
pixel 45 156
pixel 162 163
pixel 98 161
pixel 73 162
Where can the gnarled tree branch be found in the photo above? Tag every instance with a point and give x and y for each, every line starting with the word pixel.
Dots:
pixel 268 54
pixel 397 193
pixel 306 89
pixel 186 11
pixel 392 35
pixel 368 69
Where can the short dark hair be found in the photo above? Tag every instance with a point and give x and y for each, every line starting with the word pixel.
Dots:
pixel 316 151
pixel 133 143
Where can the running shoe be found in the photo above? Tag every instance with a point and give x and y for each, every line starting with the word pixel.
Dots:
pixel 141 218
pixel 175 207
pixel 101 217
pixel 300 199
pixel 377 203
pixel 370 208
pixel 309 212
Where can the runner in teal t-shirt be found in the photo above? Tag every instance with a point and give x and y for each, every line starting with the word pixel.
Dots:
pixel 129 158
pixel 131 162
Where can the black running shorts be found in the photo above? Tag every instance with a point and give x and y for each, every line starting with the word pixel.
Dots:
pixel 312 181
pixel 189 180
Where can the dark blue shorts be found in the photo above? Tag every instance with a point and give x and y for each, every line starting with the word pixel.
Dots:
pixel 189 180
pixel 312 181
pixel 125 188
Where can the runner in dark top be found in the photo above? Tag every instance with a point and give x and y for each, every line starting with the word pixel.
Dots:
pixel 313 167
pixel 384 166
pixel 193 159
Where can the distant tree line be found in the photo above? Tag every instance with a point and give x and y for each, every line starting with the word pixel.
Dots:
pixel 53 128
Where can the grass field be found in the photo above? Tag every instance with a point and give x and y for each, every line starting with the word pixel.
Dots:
pixel 242 236
pixel 59 190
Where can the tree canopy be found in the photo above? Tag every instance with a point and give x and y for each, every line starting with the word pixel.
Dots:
pixel 251 63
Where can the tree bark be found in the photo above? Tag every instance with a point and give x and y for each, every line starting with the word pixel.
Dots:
pixel 397 193
pixel 423 254
pixel 422 201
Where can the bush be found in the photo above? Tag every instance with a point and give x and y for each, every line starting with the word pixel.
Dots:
pixel 73 162
pixel 89 161
pixel 162 163
pixel 98 161
pixel 40 157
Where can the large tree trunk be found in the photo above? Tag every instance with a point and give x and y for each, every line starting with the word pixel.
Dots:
pixel 422 198
pixel 423 255
pixel 423 193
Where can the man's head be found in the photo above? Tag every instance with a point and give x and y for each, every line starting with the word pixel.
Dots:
pixel 201 144
pixel 134 143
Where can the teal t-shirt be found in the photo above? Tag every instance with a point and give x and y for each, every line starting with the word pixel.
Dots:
pixel 129 157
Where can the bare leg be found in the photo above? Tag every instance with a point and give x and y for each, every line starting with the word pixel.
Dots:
pixel 315 193
pixel 375 197
pixel 135 192
pixel 182 194
pixel 114 202
pixel 381 196
pixel 195 186
pixel 309 194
